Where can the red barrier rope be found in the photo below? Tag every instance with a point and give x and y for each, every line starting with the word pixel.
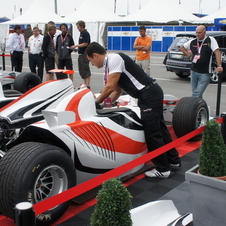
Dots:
pixel 220 120
pixel 5 55
pixel 90 184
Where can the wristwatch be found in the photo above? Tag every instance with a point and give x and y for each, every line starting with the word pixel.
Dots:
pixel 219 65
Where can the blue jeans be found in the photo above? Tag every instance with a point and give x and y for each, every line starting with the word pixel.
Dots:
pixel 199 82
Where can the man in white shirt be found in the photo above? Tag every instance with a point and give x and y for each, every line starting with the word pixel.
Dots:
pixel 35 52
pixel 17 48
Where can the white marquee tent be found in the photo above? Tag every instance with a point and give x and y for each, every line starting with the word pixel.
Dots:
pixel 93 12
pixel 38 14
pixel 95 15
pixel 162 11
pixel 219 14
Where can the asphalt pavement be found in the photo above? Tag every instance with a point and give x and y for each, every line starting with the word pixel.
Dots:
pixel 170 83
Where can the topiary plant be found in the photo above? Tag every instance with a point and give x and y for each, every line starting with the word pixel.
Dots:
pixel 212 156
pixel 113 205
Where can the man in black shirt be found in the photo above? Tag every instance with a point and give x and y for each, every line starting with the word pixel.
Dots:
pixel 83 62
pixel 200 51
pixel 122 73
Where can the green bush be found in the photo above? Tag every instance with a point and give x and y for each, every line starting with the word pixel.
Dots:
pixel 212 156
pixel 113 205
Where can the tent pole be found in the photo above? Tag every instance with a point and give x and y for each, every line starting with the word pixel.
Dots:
pixel 55 2
pixel 115 7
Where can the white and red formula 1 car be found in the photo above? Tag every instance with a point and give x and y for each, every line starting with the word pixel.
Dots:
pixel 19 110
pixel 75 142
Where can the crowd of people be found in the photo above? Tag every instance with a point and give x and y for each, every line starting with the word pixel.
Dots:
pixel 50 51
pixel 53 50
pixel 120 73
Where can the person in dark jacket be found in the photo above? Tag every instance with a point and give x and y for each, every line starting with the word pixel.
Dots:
pixel 49 51
pixel 63 43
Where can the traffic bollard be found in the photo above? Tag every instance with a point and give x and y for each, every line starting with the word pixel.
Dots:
pixel 24 214
pixel 218 95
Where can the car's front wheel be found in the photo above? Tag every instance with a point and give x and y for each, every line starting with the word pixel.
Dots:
pixel 189 114
pixel 33 172
pixel 26 81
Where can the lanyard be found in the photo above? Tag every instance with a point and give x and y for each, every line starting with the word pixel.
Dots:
pixel 20 41
pixel 51 38
pixel 199 47
pixel 63 39
pixel 35 40
pixel 106 71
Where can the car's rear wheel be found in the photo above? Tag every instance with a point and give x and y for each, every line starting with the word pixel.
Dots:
pixel 26 81
pixel 183 74
pixel 189 114
pixel 33 172
pixel 214 75
pixel 214 78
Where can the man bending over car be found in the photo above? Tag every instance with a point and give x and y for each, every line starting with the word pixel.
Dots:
pixel 122 73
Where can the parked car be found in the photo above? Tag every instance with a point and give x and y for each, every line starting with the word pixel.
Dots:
pixel 180 64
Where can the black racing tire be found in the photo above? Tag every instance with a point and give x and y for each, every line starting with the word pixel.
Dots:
pixel 26 81
pixel 183 74
pixel 33 172
pixel 189 114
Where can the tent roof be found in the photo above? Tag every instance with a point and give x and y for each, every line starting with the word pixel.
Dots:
pixel 38 13
pixel 161 11
pixel 92 11
pixel 210 18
